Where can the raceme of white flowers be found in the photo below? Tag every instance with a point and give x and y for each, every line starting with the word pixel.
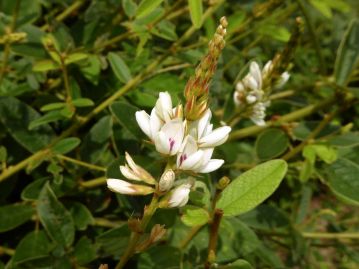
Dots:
pixel 251 91
pixel 190 142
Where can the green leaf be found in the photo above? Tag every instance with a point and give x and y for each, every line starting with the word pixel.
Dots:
pixel 16 116
pixel 85 251
pixel 55 218
pixel 271 143
pixel 114 241
pixel 159 255
pixel 323 7
pixel 3 154
pixel 348 54
pixel 345 140
pixel 252 187
pixel 129 7
pixel 125 114
pixel 119 67
pixel 196 12
pixel 239 264
pixel 194 216
pixel 96 141
pixel 75 57
pixel 14 215
pixel 34 244
pixel 81 215
pixel 146 7
pixel 82 102
pixel 344 180
pixel 66 145
pixel 45 65
pixel 32 191
pixel 47 118
pixel 52 106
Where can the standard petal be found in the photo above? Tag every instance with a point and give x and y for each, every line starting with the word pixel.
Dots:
pixel 211 166
pixel 155 123
pixel 193 161
pixel 128 173
pixel 162 143
pixel 215 138
pixel 203 123
pixel 164 106
pixel 256 73
pixel 143 120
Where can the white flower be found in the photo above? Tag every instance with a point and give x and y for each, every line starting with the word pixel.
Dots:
pixel 124 187
pixel 180 195
pixel 135 172
pixel 149 124
pixel 202 131
pixel 258 114
pixel 267 69
pixel 283 80
pixel 166 180
pixel 197 160
pixel 169 138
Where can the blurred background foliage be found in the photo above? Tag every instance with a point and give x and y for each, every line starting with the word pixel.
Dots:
pixel 72 74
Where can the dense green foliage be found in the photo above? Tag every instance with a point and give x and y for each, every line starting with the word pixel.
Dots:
pixel 72 75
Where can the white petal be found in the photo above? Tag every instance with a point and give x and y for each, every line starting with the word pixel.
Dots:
pixel 211 166
pixel 120 186
pixel 203 123
pixel 179 196
pixel 251 99
pixel 155 123
pixel 252 83
pixel 258 121
pixel 283 80
pixel 173 133
pixel 267 68
pixel 236 98
pixel 240 87
pixel 162 143
pixel 207 155
pixel 128 173
pixel 164 106
pixel 143 120
pixel 193 161
pixel 256 73
pixel 215 138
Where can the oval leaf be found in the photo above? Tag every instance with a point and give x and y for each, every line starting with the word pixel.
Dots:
pixel 271 143
pixel 194 216
pixel 196 11
pixel 66 145
pixel 252 187
pixel 119 67
pixel 55 218
pixel 14 215
pixel 146 6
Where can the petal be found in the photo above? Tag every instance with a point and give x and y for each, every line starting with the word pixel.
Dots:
pixel 155 123
pixel 120 186
pixel 252 83
pixel 143 120
pixel 162 143
pixel 193 161
pixel 256 73
pixel 240 87
pixel 128 173
pixel 164 106
pixel 267 68
pixel 215 138
pixel 212 165
pixel 203 123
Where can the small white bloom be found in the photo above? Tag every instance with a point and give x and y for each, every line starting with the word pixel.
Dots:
pixel 209 165
pixel 189 157
pixel 166 181
pixel 135 172
pixel 251 99
pixel 255 72
pixel 124 187
pixel 180 196
pixel 149 124
pixel 169 138
pixel 267 69
pixel 240 87
pixel 283 80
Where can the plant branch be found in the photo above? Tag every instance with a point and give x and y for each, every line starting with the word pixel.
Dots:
pixel 6 251
pixel 81 163
pixel 213 237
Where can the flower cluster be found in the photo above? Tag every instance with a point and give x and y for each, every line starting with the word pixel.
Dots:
pixel 253 90
pixel 192 142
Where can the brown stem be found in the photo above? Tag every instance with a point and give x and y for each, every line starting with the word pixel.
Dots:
pixel 212 244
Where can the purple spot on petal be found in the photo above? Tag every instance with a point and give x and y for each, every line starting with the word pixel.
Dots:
pixel 182 158
pixel 172 143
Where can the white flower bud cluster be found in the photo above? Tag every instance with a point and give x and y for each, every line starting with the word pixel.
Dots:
pixel 252 91
pixel 192 142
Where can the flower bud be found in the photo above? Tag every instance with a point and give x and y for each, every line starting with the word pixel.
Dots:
pixel 166 181
pixel 124 187
pixel 180 196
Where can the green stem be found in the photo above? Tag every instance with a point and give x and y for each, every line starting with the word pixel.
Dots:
pixel 81 163
pixel 7 251
pixel 8 43
pixel 190 236
pixel 93 183
pixel 136 235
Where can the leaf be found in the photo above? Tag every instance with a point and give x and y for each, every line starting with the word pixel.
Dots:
pixel 66 145
pixel 159 255
pixel 55 218
pixel 47 118
pixel 119 67
pixel 194 216
pixel 96 141
pixel 81 215
pixel 14 215
pixel 16 116
pixel 146 7
pixel 45 65
pixel 125 114
pixel 114 241
pixel 323 7
pixel 34 244
pixel 348 54
pixel 52 106
pixel 129 7
pixel 252 187
pixel 85 251
pixel 82 102
pixel 344 180
pixel 196 12
pixel 345 140
pixel 239 264
pixel 271 143
pixel 75 57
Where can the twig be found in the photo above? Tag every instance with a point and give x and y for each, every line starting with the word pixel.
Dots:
pixel 213 237
pixel 81 163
